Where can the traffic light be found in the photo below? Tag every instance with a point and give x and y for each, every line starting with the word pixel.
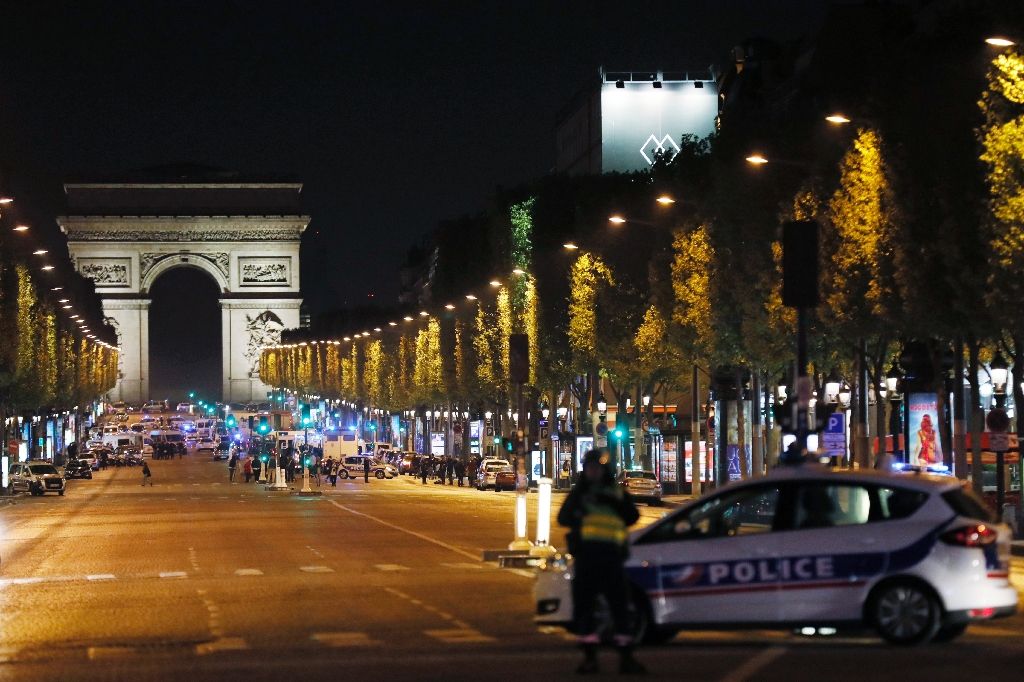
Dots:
pixel 306 419
pixel 373 427
pixel 191 394
pixel 508 444
pixel 231 422
pixel 264 427
pixel 617 433
pixel 497 439
pixel 252 422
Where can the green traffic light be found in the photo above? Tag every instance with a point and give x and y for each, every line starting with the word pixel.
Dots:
pixel 497 440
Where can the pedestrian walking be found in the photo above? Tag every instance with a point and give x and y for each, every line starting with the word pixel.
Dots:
pixel 597 513
pixel 366 469
pixel 247 469
pixel 334 472
pixel 147 475
pixel 460 471
pixel 423 469
pixel 314 470
pixel 257 466
pixel 232 463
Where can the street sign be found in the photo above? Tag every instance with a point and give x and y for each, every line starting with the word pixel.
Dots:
pixel 833 440
pixel 554 438
pixel 601 429
pixel 12 446
pixel 543 432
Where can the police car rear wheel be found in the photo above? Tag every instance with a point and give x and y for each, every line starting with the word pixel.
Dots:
pixel 905 613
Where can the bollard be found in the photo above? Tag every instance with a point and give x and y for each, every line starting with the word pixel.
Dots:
pixel 279 483
pixel 543 545
pixel 305 479
pixel 520 543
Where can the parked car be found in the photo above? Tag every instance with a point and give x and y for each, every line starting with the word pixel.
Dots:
pixel 207 447
pixel 36 478
pixel 487 471
pixel 504 479
pixel 77 468
pixel 408 465
pixel 352 467
pixel 89 457
pixel 183 407
pixel 222 450
pixel 643 485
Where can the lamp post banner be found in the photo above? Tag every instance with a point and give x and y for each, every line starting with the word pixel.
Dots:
pixel 923 436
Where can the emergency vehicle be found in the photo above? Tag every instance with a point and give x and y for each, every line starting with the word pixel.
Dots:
pixel 916 557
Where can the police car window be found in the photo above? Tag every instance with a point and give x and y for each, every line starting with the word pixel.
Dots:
pixel 740 512
pixel 826 505
pixel 899 503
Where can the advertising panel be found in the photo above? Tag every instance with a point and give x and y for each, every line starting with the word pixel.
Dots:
pixel 925 442
pixel 705 474
pixel 669 461
pixel 437 443
pixel 639 120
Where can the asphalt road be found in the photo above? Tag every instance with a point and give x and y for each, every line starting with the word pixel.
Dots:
pixel 196 577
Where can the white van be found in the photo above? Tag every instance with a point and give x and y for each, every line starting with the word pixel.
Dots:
pixel 340 445
pixel 119 440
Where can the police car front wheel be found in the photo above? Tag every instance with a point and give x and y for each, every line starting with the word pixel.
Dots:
pixel 905 613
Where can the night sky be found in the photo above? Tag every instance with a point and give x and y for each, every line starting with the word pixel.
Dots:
pixel 395 115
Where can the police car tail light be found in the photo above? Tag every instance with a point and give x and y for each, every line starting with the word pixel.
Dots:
pixel 977 535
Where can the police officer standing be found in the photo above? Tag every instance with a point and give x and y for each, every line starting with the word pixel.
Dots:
pixel 597 513
pixel 366 469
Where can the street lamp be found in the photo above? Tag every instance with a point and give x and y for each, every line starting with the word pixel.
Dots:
pixel 757 160
pixel 602 404
pixel 832 385
pixel 617 220
pixel 665 200
pixel 781 387
pixel 545 411
pixel 999 369
pixel 837 119
pixel 844 395
pixel 1000 41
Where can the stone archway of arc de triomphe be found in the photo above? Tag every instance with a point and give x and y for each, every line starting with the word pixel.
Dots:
pixel 253 260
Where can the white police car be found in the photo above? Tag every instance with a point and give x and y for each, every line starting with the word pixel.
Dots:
pixel 916 557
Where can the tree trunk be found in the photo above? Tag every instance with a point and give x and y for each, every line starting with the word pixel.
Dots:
pixel 959 412
pixel 756 438
pixel 1018 392
pixel 975 414
pixel 741 438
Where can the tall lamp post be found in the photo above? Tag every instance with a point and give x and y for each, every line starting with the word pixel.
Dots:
pixel 998 422
pixel 892 384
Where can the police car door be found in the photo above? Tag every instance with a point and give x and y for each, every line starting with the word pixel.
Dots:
pixel 713 562
pixel 830 551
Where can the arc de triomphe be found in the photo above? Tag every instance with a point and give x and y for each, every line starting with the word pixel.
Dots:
pixel 245 235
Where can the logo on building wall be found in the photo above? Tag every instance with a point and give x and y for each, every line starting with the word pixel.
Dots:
pixel 653 146
pixel 264 330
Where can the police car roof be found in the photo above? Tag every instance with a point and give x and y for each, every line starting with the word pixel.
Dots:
pixel 812 471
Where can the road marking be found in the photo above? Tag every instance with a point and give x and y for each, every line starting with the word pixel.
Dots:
pixel 344 639
pixel 248 571
pixel 755 664
pixel 458 636
pixel 97 652
pixel 391 567
pixel 100 576
pixel 316 569
pixel 222 644
pixel 173 574
pixel 413 533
